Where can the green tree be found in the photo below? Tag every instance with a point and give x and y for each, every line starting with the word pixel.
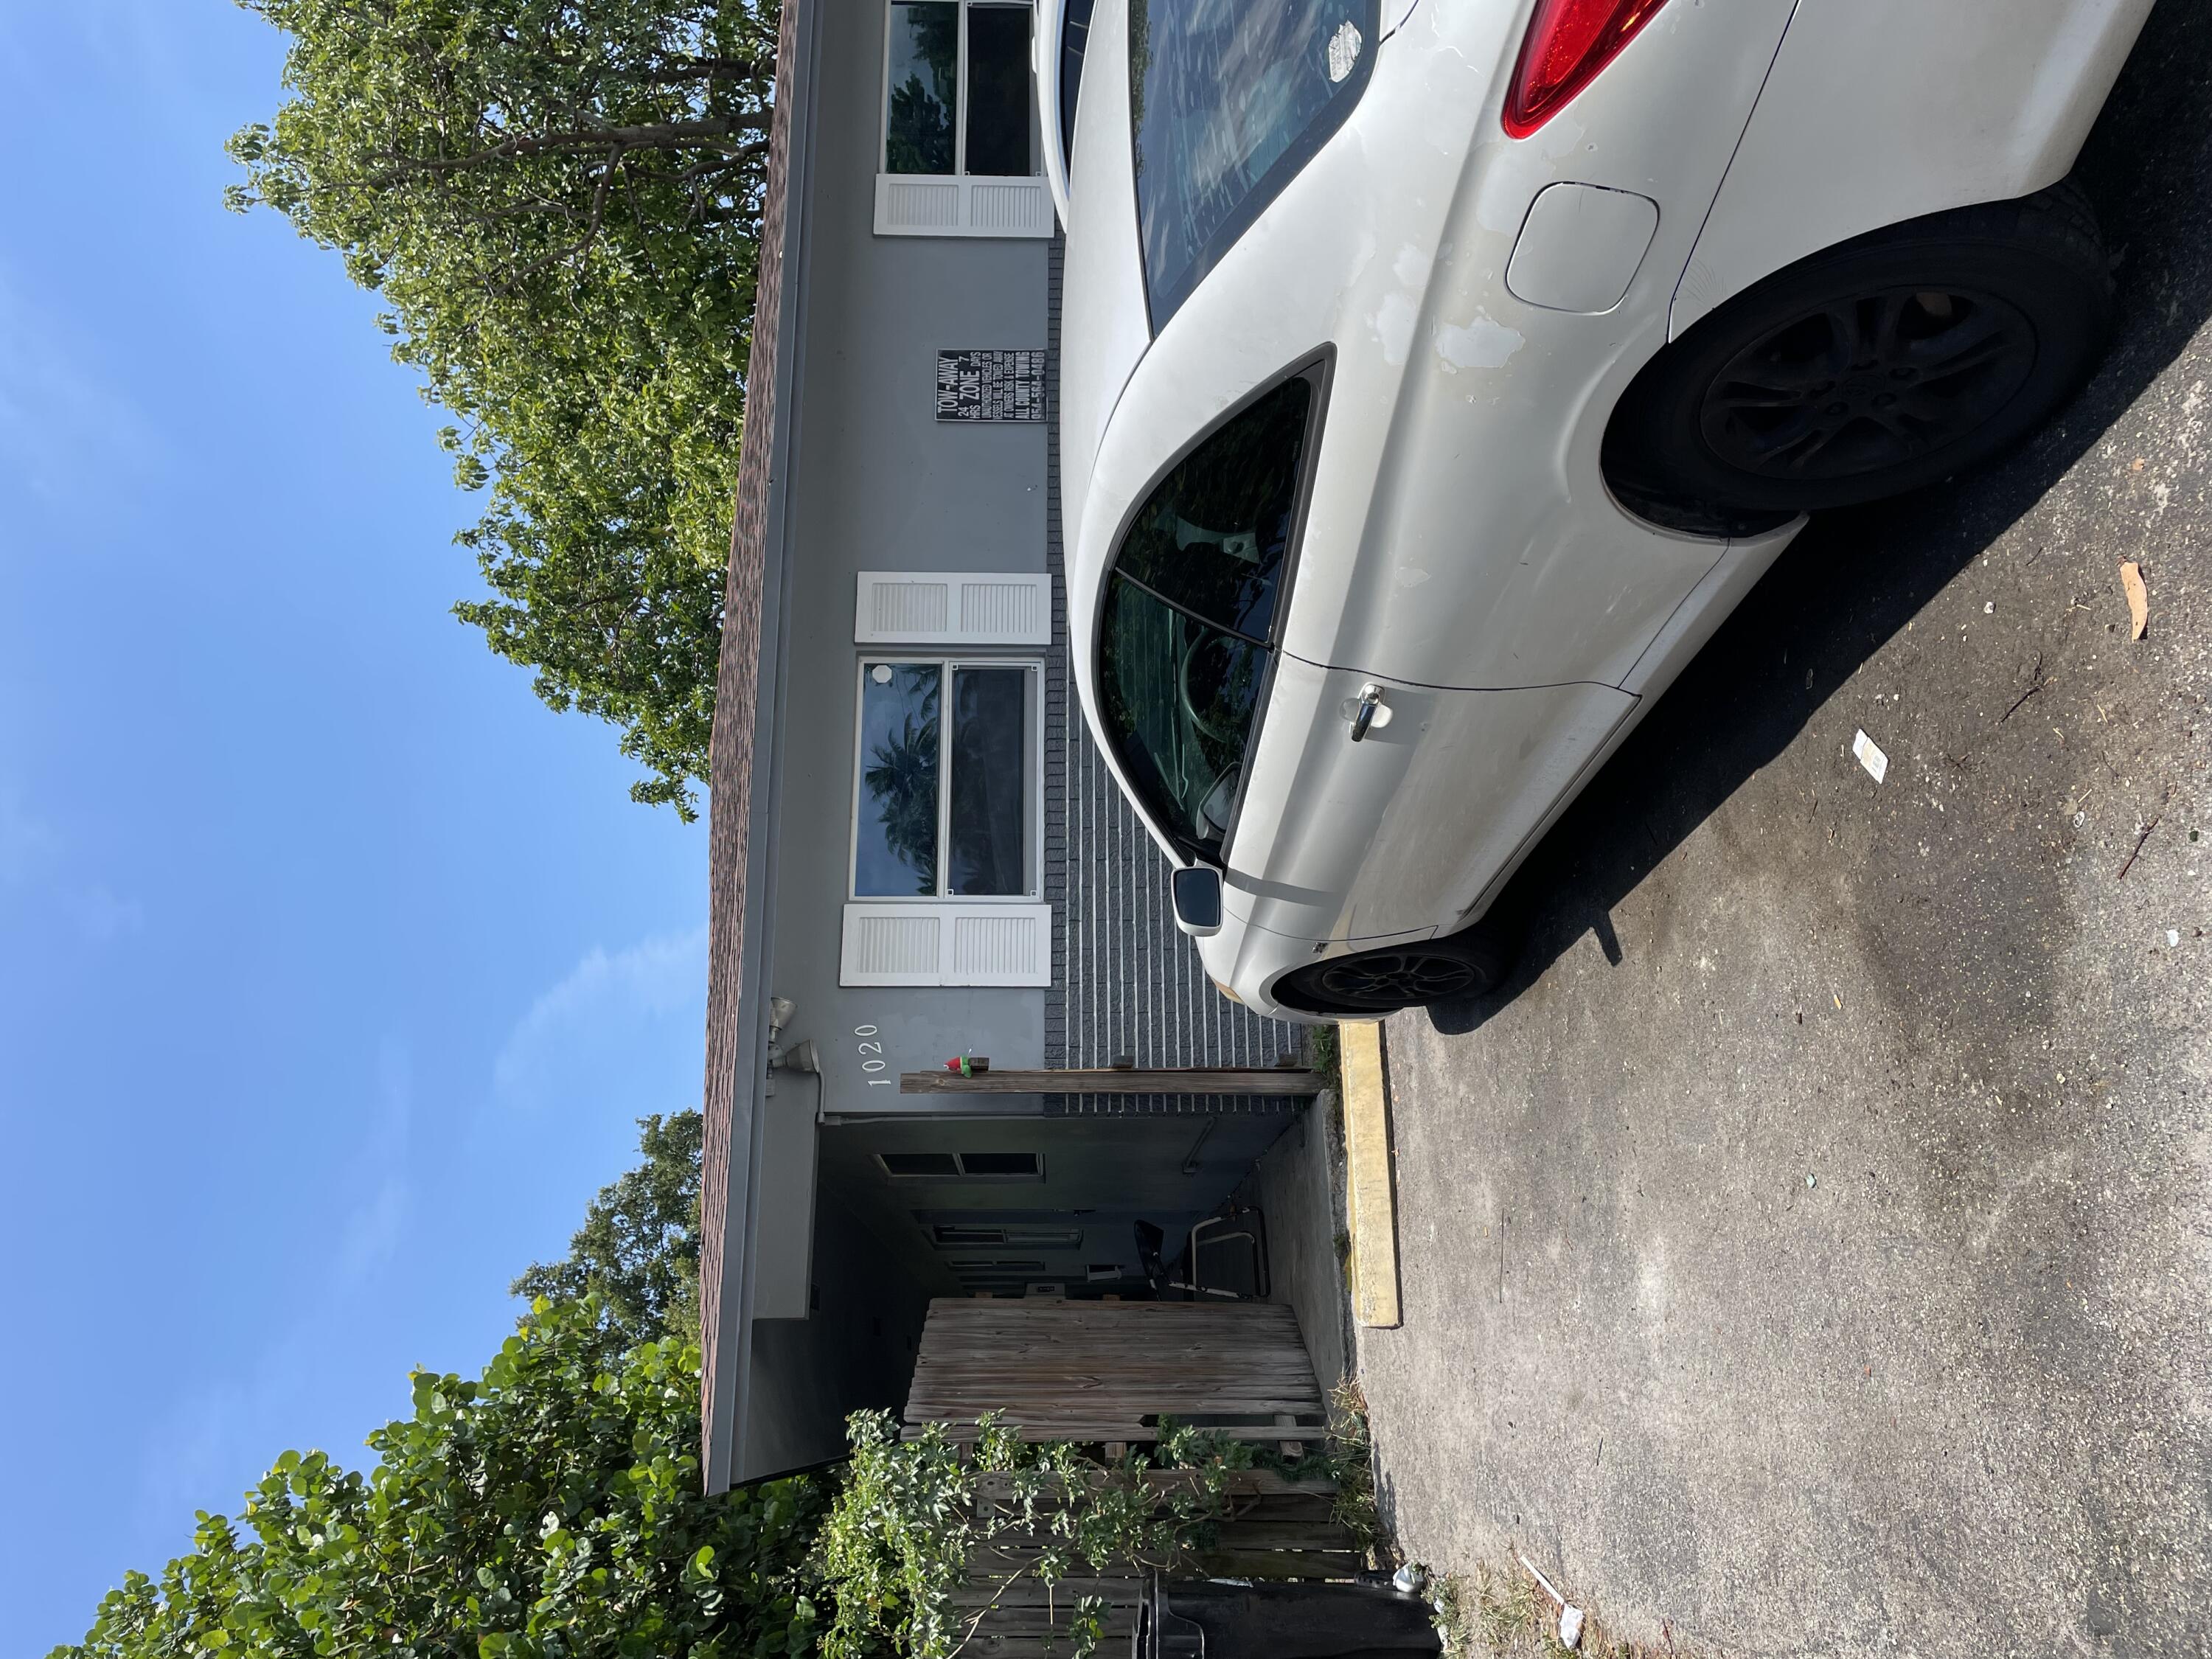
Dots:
pixel 638 1250
pixel 559 206
pixel 551 1508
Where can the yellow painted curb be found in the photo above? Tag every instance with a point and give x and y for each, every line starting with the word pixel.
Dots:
pixel 1373 1220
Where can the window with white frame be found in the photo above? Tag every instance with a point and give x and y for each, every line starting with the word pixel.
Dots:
pixel 948 796
pixel 959 133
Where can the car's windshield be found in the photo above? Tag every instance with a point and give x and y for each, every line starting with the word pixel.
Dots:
pixel 1178 697
pixel 1228 100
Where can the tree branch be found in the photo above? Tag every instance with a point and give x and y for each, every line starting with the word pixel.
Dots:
pixel 664 135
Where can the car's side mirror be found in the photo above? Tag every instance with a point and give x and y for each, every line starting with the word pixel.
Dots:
pixel 1197 892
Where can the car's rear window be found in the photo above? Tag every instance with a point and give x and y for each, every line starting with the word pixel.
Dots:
pixel 1228 100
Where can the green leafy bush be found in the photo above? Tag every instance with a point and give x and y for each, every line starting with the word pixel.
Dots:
pixel 551 1509
pixel 907 1528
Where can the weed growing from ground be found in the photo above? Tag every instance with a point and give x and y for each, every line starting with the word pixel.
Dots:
pixel 1498 1613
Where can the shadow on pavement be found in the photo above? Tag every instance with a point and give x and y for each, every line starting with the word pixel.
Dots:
pixel 1854 579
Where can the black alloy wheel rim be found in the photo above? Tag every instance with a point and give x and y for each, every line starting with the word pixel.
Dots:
pixel 1865 383
pixel 1394 979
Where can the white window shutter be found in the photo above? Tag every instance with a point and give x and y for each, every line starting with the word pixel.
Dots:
pixel 946 943
pixel 1000 944
pixel 952 608
pixel 892 944
pixel 956 205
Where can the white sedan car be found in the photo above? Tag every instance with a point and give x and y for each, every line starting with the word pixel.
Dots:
pixel 1437 374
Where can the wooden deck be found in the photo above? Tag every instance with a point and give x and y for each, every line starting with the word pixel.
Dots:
pixel 1107 1371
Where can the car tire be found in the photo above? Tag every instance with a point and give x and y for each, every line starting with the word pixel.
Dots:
pixel 1368 984
pixel 1879 365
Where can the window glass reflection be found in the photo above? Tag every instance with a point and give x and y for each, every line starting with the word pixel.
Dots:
pixel 896 851
pixel 988 832
pixel 998 91
pixel 1229 99
pixel 925 86
pixel 1179 700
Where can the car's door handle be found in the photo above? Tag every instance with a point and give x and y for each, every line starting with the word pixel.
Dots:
pixel 1363 712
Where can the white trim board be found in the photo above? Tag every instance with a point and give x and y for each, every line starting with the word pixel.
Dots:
pixel 910 942
pixel 952 607
pixel 951 205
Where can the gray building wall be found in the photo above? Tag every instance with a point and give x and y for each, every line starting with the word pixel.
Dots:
pixel 872 482
pixel 842 1252
pixel 878 483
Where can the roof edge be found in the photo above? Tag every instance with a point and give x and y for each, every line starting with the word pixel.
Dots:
pixel 726 1159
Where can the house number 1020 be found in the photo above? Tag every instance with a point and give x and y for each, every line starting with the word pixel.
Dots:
pixel 871 1058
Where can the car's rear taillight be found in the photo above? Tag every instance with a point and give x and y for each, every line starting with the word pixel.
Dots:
pixel 1568 42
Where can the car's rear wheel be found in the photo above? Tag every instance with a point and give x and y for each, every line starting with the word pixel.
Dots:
pixel 1879 365
pixel 1368 983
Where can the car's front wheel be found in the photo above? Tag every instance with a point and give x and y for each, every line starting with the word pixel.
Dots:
pixel 1876 367
pixel 1368 984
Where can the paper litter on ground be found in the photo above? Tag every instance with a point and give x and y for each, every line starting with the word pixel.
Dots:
pixel 2138 598
pixel 1870 756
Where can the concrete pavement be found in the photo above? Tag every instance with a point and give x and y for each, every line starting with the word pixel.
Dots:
pixel 1811 1251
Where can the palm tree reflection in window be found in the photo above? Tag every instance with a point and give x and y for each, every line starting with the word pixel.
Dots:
pixel 900 711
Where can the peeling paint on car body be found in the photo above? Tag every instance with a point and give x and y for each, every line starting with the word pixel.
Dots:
pixel 1481 342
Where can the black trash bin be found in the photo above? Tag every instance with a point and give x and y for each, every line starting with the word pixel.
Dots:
pixel 1209 1619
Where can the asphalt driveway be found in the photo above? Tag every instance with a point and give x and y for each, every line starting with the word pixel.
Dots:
pixel 1811 1251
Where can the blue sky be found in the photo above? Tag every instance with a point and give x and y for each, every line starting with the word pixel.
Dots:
pixel 334 967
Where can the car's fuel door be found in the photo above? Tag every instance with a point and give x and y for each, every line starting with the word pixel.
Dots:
pixel 1378 809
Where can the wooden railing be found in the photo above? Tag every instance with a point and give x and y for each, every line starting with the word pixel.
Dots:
pixel 1276 1528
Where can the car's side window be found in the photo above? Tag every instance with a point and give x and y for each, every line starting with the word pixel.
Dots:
pixel 1179 699
pixel 1190 610
pixel 1214 536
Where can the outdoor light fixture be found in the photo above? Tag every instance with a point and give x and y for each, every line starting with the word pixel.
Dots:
pixel 780 1011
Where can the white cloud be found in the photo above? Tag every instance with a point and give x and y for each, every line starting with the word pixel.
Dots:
pixel 25 838
pixel 376 1222
pixel 64 434
pixel 603 1004
pixel 33 858
pixel 133 47
pixel 373 1231
pixel 214 1436
pixel 102 916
